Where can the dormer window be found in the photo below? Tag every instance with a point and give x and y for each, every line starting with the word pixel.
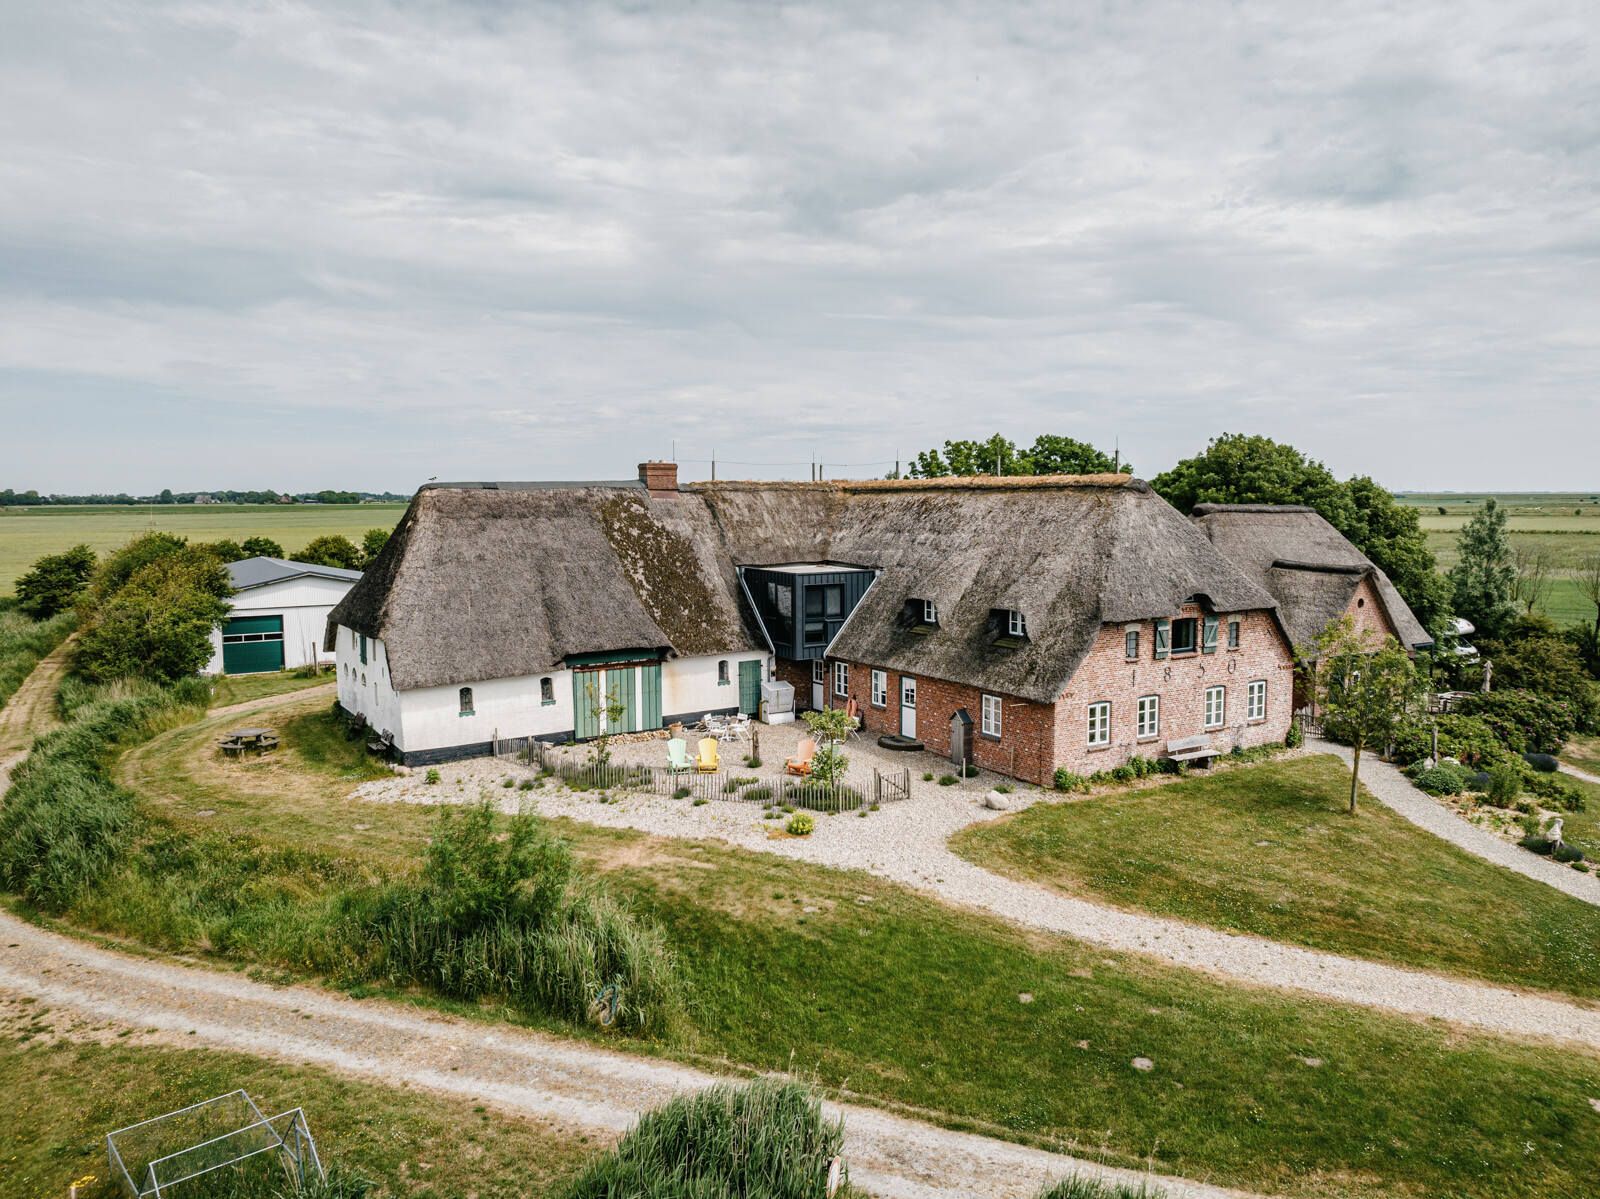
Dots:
pixel 1185 635
pixel 1016 624
pixel 930 612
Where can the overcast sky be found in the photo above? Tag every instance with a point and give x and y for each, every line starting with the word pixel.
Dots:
pixel 357 245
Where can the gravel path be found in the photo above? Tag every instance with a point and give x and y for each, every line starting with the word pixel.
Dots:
pixel 907 843
pixel 1394 790
pixel 516 1071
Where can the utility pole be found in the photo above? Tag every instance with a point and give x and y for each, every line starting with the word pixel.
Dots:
pixel 713 465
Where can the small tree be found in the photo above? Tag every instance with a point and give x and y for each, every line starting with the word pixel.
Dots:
pixel 1589 585
pixel 1483 582
pixel 158 625
pixel 830 726
pixel 372 543
pixel 55 582
pixel 606 710
pixel 261 547
pixel 331 549
pixel 1532 584
pixel 1364 695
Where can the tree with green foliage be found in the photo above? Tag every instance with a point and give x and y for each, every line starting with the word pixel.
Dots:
pixel 1364 695
pixel 1050 454
pixel 224 550
pixel 54 583
pixel 1483 582
pixel 158 624
pixel 331 549
pixel 372 543
pixel 1391 534
pixel 261 547
pixel 121 564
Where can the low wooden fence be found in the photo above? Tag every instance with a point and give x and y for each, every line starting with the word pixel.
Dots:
pixel 782 790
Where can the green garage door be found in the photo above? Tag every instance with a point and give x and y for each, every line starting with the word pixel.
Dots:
pixel 251 644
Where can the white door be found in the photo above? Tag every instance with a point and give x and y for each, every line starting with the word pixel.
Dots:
pixel 908 706
pixel 816 685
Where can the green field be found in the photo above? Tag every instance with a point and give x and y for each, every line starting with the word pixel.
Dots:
pixel 1564 524
pixel 28 533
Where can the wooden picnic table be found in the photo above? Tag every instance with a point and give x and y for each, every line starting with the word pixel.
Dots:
pixel 240 740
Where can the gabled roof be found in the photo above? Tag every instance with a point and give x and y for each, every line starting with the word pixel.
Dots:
pixel 259 572
pixel 482 582
pixel 1310 567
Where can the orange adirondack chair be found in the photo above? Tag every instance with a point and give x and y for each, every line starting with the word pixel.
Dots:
pixel 801 763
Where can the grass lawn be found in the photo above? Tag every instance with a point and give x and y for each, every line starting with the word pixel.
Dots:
pixel 64 1093
pixel 27 534
pixel 1584 753
pixel 229 689
pixel 1270 850
pixel 887 995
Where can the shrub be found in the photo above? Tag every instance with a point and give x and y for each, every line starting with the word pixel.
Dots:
pixel 967 770
pixel 1467 739
pixel 1123 774
pixel 525 785
pixel 1004 788
pixel 1522 720
pixel 801 824
pixel 1505 784
pixel 1064 780
pixel 54 583
pixel 509 783
pixel 927 776
pixel 681 793
pixel 753 762
pixel 158 624
pixel 1443 779
pixel 761 794
pixel 767 1138
pixel 828 764
pixel 432 776
pixel 821 798
pixel 1567 852
pixel 1543 763
pixel 947 780
pixel 1554 789
pixel 1079 1187
pixel 1296 736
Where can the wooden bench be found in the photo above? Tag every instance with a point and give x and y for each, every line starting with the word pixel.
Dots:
pixel 1192 749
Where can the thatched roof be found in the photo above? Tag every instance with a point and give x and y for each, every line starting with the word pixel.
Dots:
pixel 1311 568
pixel 481 582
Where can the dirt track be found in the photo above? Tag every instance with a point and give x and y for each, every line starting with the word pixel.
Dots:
pixel 32 710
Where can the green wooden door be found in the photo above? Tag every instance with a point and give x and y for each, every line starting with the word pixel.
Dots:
pixel 620 693
pixel 750 688
pixel 650 697
pixel 588 703
pixel 252 644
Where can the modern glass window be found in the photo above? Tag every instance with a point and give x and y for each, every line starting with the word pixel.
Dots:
pixel 1256 700
pixel 1233 634
pixel 1184 633
pixel 880 688
pixel 1216 707
pixel 1016 624
pixel 722 673
pixel 993 716
pixel 466 700
pixel 1130 644
pixel 841 679
pixel 1149 716
pixel 1100 724
pixel 930 612
pixel 547 691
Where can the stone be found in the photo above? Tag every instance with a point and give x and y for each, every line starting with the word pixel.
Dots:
pixel 1025 997
pixel 1313 1062
pixel 997 802
pixel 1143 1063
pixel 1083 1044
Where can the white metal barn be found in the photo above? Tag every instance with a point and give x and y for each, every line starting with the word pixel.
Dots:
pixel 280 610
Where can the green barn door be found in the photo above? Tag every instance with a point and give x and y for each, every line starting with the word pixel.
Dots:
pixel 620 693
pixel 750 688
pixel 252 644
pixel 588 702
pixel 650 697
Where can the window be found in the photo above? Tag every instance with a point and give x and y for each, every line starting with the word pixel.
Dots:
pixel 1099 724
pixel 722 673
pixel 1016 624
pixel 1233 634
pixel 1130 644
pixel 930 612
pixel 1163 638
pixel 466 700
pixel 825 601
pixel 991 716
pixel 841 679
pixel 1256 700
pixel 1149 716
pixel 363 649
pixel 1216 707
pixel 880 688
pixel 547 691
pixel 1184 635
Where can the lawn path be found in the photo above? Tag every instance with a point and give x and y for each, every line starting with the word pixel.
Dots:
pixel 1395 791
pixel 514 1070
pixel 281 700
pixel 1581 775
pixel 31 711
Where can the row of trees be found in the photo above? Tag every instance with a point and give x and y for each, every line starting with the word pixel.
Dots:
pixel 10 498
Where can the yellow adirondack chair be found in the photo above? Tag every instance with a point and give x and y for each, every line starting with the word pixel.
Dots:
pixel 708 760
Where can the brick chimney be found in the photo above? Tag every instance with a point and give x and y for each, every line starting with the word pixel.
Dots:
pixel 659 478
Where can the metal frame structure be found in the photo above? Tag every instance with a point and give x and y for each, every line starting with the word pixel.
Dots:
pixel 231 1130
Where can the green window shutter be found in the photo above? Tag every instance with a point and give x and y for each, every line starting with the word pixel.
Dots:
pixel 363 649
pixel 1163 638
pixel 1208 643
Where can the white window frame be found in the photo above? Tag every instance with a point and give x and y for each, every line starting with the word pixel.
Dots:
pixel 1099 723
pixel 1016 623
pixel 930 612
pixel 841 679
pixel 1255 700
pixel 1148 724
pixel 1131 656
pixel 1220 693
pixel 992 714
pixel 880 689
pixel 547 691
pixel 1235 633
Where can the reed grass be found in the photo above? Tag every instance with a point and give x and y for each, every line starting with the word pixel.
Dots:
pixel 23 642
pixel 1079 1187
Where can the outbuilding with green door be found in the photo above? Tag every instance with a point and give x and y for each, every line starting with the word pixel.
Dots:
pixel 279 617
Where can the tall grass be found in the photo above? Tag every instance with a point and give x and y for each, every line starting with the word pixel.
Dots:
pixel 764 1140
pixel 1079 1187
pixel 23 642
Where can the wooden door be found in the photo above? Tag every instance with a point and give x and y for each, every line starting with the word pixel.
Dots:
pixel 908 706
pixel 750 688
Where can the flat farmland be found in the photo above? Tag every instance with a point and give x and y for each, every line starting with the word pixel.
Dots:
pixel 28 533
pixel 1566 525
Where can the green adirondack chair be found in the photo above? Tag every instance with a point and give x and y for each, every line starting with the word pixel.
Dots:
pixel 678 755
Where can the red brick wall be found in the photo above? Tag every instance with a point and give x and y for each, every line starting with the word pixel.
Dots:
pixel 1107 675
pixel 1367 608
pixel 1024 749
pixel 798 676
